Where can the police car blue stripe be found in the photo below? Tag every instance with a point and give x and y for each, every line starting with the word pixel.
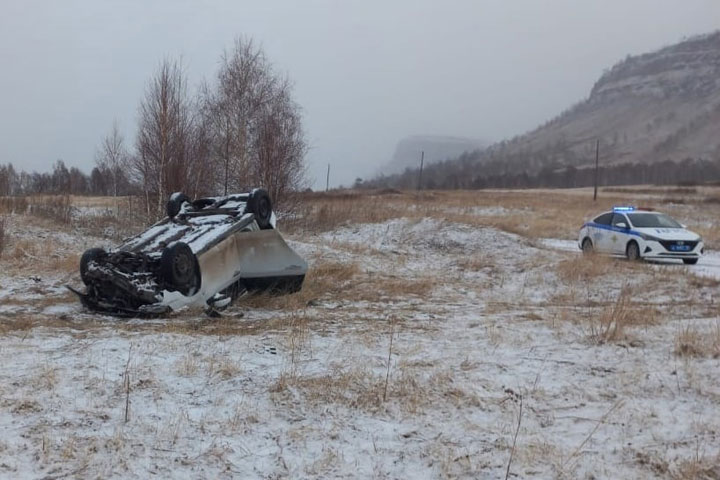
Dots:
pixel 612 229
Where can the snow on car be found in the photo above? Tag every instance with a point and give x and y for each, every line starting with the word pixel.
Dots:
pixel 206 252
pixel 640 234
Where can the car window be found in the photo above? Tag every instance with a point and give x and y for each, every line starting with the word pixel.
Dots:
pixel 604 219
pixel 618 218
pixel 653 220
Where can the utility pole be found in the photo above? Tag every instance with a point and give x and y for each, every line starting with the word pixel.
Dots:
pixel 597 159
pixel 327 180
pixel 422 161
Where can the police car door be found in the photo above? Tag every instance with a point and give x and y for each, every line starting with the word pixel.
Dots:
pixel 620 234
pixel 600 232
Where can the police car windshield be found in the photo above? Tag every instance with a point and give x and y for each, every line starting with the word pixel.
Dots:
pixel 652 220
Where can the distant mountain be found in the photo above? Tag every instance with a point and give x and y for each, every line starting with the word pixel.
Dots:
pixel 650 112
pixel 649 108
pixel 436 148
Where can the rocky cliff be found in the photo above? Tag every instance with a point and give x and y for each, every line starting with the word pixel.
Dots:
pixel 658 106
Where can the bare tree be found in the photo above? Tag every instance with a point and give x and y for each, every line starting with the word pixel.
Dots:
pixel 254 127
pixel 98 182
pixel 5 180
pixel 231 109
pixel 113 157
pixel 164 160
pixel 60 179
pixel 279 146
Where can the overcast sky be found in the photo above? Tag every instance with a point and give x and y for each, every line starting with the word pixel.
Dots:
pixel 366 73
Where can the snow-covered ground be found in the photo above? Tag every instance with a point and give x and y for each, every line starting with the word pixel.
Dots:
pixel 428 349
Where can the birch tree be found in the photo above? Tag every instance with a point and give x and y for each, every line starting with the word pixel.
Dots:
pixel 163 134
pixel 112 157
pixel 254 127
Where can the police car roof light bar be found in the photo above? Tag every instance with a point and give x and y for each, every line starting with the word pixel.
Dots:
pixel 624 209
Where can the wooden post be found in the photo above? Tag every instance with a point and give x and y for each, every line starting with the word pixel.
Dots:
pixel 422 161
pixel 327 180
pixel 597 159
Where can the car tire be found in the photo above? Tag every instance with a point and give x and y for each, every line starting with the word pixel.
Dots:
pixel 87 257
pixel 179 269
pixel 174 204
pixel 690 261
pixel 632 251
pixel 260 206
pixel 587 246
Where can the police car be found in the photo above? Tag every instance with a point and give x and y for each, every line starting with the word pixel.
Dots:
pixel 640 234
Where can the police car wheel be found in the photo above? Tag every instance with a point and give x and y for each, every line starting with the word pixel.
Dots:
pixel 633 252
pixel 690 261
pixel 587 246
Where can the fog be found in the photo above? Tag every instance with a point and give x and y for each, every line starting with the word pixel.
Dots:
pixel 366 73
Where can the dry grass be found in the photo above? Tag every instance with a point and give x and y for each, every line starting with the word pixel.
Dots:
pixel 38 256
pixel 336 281
pixel 614 322
pixel 13 205
pixel 653 190
pixel 46 377
pixel 477 263
pixel 691 342
pixel 699 467
pixel 368 384
pixel 114 218
pixel 16 324
pixel 547 214
pixel 224 367
pixel 324 279
pixel 530 213
pixel 582 269
pixel 105 202
pixel 383 288
pixel 56 208
pixel 359 388
pixel 189 364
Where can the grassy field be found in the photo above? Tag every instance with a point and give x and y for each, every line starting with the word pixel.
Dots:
pixel 438 335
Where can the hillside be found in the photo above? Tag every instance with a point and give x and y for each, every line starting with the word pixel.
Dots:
pixel 647 111
pixel 649 108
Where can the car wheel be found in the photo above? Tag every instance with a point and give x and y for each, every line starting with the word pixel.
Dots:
pixel 179 269
pixel 175 202
pixel 632 251
pixel 260 206
pixel 90 255
pixel 587 246
pixel 690 261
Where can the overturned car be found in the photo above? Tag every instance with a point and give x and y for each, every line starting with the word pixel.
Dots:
pixel 206 252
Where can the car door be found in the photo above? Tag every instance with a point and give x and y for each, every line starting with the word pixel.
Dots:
pixel 620 234
pixel 600 232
